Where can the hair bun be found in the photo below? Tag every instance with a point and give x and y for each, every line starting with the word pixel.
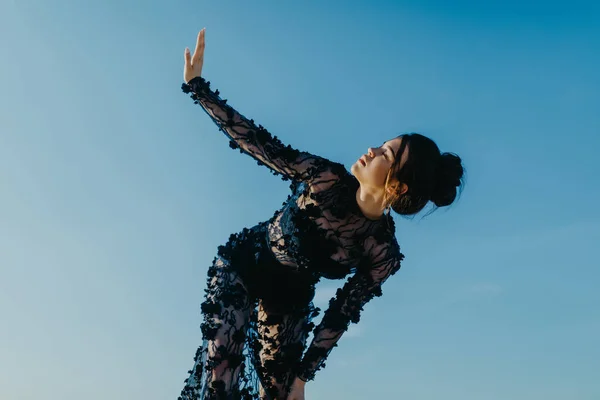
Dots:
pixel 449 173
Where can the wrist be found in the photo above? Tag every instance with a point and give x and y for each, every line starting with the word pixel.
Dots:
pixel 300 381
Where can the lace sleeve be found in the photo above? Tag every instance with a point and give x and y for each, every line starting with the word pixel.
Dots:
pixel 254 140
pixel 345 307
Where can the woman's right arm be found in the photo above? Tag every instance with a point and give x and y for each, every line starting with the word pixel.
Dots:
pixel 244 134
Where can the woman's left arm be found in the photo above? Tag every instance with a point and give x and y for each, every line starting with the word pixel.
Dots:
pixel 345 308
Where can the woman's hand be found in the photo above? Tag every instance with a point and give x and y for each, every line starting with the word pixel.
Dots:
pixel 297 390
pixel 193 64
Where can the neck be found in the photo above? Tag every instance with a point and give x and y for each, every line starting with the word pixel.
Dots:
pixel 370 202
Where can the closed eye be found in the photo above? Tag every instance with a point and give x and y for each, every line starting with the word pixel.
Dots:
pixel 386 148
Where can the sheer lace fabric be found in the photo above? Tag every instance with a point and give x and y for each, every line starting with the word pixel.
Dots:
pixel 258 309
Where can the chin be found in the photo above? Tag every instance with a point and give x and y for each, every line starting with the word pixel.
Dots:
pixel 355 172
pixel 354 169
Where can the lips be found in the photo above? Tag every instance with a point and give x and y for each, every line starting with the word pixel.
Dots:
pixel 362 161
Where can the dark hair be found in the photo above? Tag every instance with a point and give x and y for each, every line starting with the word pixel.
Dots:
pixel 429 174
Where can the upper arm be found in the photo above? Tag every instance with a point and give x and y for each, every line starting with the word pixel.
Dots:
pixel 385 259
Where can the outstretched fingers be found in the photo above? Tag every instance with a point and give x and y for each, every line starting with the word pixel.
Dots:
pixel 187 57
pixel 193 63
pixel 199 51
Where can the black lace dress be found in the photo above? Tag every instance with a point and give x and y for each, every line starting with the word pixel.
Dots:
pixel 258 304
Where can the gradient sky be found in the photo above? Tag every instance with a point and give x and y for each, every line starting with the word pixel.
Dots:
pixel 115 189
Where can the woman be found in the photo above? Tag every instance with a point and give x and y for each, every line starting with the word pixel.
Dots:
pixel 258 306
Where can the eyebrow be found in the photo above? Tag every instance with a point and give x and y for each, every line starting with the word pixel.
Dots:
pixel 389 147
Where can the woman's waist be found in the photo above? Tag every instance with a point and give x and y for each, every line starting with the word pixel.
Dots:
pixel 279 286
pixel 256 246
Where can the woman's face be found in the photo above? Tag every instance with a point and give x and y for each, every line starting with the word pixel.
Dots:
pixel 372 168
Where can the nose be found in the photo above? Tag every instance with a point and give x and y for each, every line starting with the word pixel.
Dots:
pixel 371 152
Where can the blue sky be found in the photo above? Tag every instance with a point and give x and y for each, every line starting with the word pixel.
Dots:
pixel 115 189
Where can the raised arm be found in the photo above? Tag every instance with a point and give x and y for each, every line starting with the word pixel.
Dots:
pixel 244 133
pixel 255 140
pixel 345 307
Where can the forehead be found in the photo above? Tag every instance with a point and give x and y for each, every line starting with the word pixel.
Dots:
pixel 394 143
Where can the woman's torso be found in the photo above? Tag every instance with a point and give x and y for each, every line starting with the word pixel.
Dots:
pixel 321 230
